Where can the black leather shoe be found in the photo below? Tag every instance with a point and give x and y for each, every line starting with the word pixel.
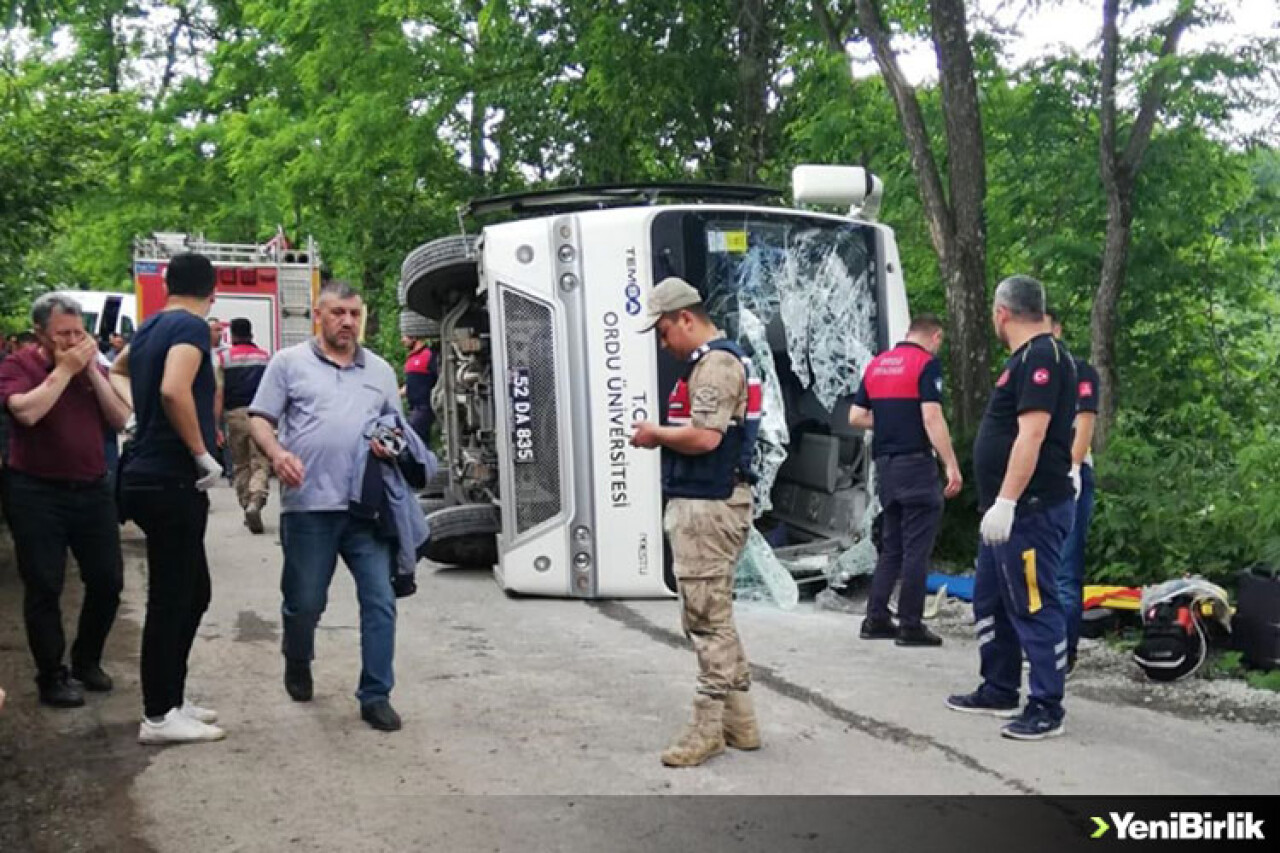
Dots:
pixel 93 678
pixel 878 629
pixel 917 635
pixel 59 691
pixel 253 518
pixel 297 680
pixel 381 716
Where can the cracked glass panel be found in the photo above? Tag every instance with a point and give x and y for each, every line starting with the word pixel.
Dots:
pixel 860 559
pixel 842 325
pixel 760 577
pixel 771 444
pixel 798 292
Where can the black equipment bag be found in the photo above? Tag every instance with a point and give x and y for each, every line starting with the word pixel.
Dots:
pixel 1173 643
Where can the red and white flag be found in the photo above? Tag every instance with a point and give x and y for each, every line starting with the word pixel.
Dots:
pixel 278 243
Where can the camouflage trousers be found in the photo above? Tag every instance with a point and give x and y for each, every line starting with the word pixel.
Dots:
pixel 250 466
pixel 706 539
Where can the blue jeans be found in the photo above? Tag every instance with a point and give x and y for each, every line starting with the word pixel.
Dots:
pixel 1016 608
pixel 312 543
pixel 1071 572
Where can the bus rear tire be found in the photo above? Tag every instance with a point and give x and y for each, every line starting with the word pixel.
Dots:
pixel 437 275
pixel 464 535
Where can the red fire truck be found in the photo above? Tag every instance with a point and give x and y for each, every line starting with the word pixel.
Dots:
pixel 272 285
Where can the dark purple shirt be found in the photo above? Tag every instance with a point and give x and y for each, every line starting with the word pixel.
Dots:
pixel 66 444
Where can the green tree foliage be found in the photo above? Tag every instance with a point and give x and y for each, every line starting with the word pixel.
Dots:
pixel 367 124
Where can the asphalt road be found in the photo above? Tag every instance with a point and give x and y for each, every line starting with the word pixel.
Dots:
pixel 570 700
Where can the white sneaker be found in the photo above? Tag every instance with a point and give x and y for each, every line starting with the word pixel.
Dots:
pixel 195 712
pixel 177 727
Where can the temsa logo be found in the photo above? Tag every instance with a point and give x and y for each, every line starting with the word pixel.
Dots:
pixel 632 293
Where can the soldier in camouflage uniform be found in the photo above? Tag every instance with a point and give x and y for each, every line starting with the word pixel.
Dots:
pixel 712 420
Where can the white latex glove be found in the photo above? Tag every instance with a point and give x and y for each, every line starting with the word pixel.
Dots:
pixel 1075 479
pixel 998 522
pixel 209 470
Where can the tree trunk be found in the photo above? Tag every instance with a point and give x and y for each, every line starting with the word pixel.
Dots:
pixel 754 51
pixel 957 227
pixel 171 53
pixel 477 136
pixel 369 284
pixel 967 182
pixel 1102 325
pixel 112 56
pixel 1119 169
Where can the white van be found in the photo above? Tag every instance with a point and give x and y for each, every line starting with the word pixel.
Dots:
pixel 544 369
pixel 105 313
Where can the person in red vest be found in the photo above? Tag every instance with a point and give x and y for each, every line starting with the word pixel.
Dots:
pixel 420 374
pixel 901 400
pixel 243 364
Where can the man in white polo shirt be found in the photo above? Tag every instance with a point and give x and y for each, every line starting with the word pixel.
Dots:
pixel 319 395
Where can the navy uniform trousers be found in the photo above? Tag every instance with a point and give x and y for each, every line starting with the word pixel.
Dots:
pixel 1016 608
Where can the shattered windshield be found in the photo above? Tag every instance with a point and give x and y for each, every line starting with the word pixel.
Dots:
pixel 799 293
pixel 810 279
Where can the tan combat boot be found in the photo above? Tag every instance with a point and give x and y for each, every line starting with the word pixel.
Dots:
pixel 702 738
pixel 740 728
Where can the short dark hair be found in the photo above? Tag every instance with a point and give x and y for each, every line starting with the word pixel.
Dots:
pixel 27 337
pixel 926 324
pixel 338 289
pixel 190 274
pixel 241 329
pixel 1053 316
pixel 698 309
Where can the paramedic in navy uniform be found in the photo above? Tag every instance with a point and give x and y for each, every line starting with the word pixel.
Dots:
pixel 1071 569
pixel 901 400
pixel 1022 460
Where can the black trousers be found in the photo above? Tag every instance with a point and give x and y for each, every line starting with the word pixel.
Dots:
pixel 46 518
pixel 911 495
pixel 173 514
pixel 421 418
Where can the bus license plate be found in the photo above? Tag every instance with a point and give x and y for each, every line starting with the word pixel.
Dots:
pixel 521 416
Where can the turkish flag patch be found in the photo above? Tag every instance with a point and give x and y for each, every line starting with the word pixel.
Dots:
pixel 1041 376
pixel 1004 377
pixel 1086 389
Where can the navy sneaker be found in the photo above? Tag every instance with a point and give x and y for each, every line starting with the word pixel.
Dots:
pixel 1036 722
pixel 980 702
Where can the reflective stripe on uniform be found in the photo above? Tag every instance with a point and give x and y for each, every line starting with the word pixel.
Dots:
pixel 1033 585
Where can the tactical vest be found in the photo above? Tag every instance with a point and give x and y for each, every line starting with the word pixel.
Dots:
pixel 242 368
pixel 713 475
